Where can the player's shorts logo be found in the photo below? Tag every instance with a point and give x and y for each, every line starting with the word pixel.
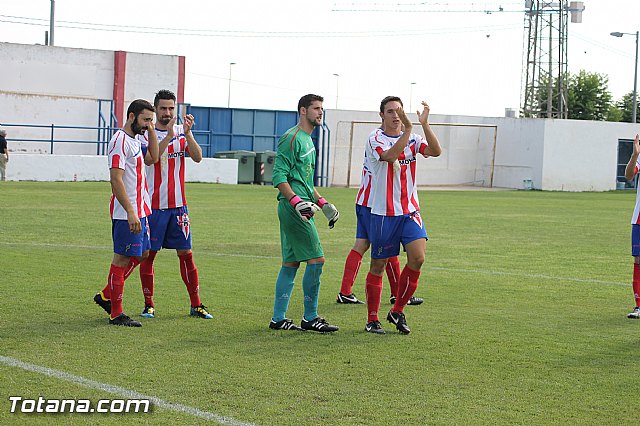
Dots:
pixel 415 216
pixel 184 222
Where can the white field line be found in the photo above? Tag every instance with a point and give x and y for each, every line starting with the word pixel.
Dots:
pixel 435 268
pixel 125 393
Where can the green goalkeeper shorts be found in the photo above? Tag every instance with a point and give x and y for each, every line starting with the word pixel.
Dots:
pixel 299 240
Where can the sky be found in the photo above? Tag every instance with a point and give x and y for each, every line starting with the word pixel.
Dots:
pixel 461 60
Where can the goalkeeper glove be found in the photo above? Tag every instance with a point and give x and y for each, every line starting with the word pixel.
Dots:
pixel 330 211
pixel 304 209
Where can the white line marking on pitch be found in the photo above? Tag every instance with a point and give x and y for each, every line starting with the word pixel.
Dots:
pixel 126 393
pixel 435 268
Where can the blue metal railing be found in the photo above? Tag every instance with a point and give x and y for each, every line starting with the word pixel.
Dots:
pixel 52 140
pixel 101 142
pixel 104 133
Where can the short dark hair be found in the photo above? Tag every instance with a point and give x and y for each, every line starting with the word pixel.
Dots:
pixel 164 94
pixel 139 105
pixel 388 99
pixel 307 100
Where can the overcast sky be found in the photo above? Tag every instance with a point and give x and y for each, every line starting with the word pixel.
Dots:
pixel 462 61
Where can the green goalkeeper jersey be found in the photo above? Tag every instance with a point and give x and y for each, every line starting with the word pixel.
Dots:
pixel 295 163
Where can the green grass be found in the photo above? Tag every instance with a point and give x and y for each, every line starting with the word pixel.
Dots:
pixel 524 320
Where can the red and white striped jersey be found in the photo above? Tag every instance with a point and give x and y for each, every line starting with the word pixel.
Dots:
pixel 125 152
pixel 364 193
pixel 166 177
pixel 395 191
pixel 635 219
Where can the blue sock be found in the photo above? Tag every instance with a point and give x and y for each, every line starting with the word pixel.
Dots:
pixel 284 287
pixel 311 289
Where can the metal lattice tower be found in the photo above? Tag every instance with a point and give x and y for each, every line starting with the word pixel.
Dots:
pixel 545 70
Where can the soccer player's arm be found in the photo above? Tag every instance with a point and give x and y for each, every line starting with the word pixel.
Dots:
pixel 284 163
pixel 164 143
pixel 116 174
pixel 632 166
pixel 392 154
pixel 433 148
pixel 282 168
pixel 152 154
pixel 194 149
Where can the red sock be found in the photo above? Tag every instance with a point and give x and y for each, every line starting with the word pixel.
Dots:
pixel 189 274
pixel 146 278
pixel 373 289
pixel 351 268
pixel 407 285
pixel 393 274
pixel 106 291
pixel 133 262
pixel 116 281
pixel 636 283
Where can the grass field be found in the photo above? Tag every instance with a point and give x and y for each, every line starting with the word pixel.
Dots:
pixel 524 320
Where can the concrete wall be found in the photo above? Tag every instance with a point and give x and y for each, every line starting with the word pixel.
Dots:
pixel 68 168
pixel 559 155
pixel 46 85
pixel 146 74
pixel 582 155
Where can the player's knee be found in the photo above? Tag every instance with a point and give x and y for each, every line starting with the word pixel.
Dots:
pixel 361 246
pixel 415 262
pixel 377 266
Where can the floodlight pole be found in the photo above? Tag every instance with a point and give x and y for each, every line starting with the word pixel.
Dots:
pixel 51 21
pixel 635 85
pixel 635 75
pixel 229 89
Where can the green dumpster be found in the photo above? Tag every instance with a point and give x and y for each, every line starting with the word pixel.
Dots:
pixel 246 161
pixel 263 171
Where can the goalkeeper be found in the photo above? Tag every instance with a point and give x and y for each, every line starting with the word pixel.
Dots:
pixel 298 201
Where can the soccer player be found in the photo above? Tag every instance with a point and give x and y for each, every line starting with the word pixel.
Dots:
pixel 395 210
pixel 129 205
pixel 629 172
pixel 4 153
pixel 298 200
pixel 169 221
pixel 362 244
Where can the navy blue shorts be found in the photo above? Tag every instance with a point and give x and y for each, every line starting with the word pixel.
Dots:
pixel 170 228
pixel 388 232
pixel 635 240
pixel 126 242
pixel 363 221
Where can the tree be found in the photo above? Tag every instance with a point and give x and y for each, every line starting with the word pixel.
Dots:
pixel 625 105
pixel 615 113
pixel 589 97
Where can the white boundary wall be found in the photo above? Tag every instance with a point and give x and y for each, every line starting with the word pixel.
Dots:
pixel 58 85
pixel 36 167
pixel 556 155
